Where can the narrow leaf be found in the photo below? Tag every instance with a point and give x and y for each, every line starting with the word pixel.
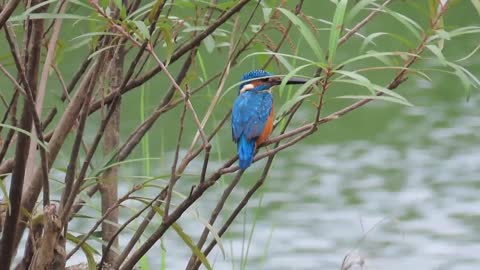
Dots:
pixel 151 15
pixel 384 98
pixel 306 33
pixel 209 43
pixel 187 240
pixel 212 231
pixel 26 133
pixel 142 29
pixel 88 250
pixel 476 4
pixel 336 29
pixel 297 96
pixel 41 16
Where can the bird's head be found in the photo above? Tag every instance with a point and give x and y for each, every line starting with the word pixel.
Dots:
pixel 261 80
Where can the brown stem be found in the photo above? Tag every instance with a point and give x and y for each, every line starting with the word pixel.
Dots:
pixel 237 210
pixel 7 242
pixel 214 215
pixel 31 192
pixel 7 10
pixel 100 221
pixel 173 176
pixel 109 181
pixel 193 43
pixel 141 228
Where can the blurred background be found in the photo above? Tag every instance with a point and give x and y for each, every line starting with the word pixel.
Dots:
pixel 396 185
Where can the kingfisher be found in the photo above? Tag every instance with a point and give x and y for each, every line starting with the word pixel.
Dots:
pixel 253 112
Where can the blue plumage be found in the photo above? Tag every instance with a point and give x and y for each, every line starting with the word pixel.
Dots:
pixel 251 75
pixel 252 112
pixel 246 150
pixel 249 115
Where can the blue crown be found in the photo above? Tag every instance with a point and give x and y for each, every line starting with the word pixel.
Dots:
pixel 257 73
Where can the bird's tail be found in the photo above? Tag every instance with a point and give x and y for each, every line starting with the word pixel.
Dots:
pixel 246 149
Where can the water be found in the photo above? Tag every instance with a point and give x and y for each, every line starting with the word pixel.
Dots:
pixel 405 196
pixel 398 186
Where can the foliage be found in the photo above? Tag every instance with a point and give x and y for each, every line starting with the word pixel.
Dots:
pixel 123 47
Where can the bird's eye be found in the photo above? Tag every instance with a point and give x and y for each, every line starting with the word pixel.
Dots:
pixel 265 80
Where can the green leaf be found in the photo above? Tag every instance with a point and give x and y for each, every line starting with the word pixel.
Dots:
pixel 118 4
pixel 357 8
pixel 123 13
pixel 476 4
pixel 438 53
pixel 80 3
pixel 369 39
pixel 44 146
pixel 297 96
pixel 291 102
pixel 306 33
pixel 127 161
pixel 151 15
pixel 142 29
pixel 457 32
pixel 266 14
pixel 291 74
pixel 141 10
pixel 187 240
pixel 225 5
pixel 284 62
pixel 101 50
pixel 275 54
pixel 336 29
pixel 373 88
pixel 385 98
pixel 212 231
pixel 469 55
pixel 41 16
pixel 432 8
pixel 166 30
pixel 466 77
pixel 185 4
pixel 361 79
pixel 209 43
pixel 95 34
pixel 410 24
pixel 79 44
pixel 37 6
pixel 88 250
pixel 104 4
pixel 143 263
pixel 375 55
pixel 330 26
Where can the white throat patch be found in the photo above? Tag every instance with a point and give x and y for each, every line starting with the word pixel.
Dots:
pixel 247 87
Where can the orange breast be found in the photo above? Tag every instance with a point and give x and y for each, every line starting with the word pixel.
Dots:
pixel 267 130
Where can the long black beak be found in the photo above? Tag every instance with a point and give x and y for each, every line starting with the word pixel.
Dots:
pixel 293 80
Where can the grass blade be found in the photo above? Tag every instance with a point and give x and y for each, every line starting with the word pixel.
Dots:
pixel 26 133
pixel 336 29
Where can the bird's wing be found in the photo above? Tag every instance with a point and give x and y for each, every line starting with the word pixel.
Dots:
pixel 250 113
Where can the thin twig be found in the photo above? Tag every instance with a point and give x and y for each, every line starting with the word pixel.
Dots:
pixel 100 221
pixel 173 176
pixel 215 213
pixel 359 25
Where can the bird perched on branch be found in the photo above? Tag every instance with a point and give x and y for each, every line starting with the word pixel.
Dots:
pixel 252 113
